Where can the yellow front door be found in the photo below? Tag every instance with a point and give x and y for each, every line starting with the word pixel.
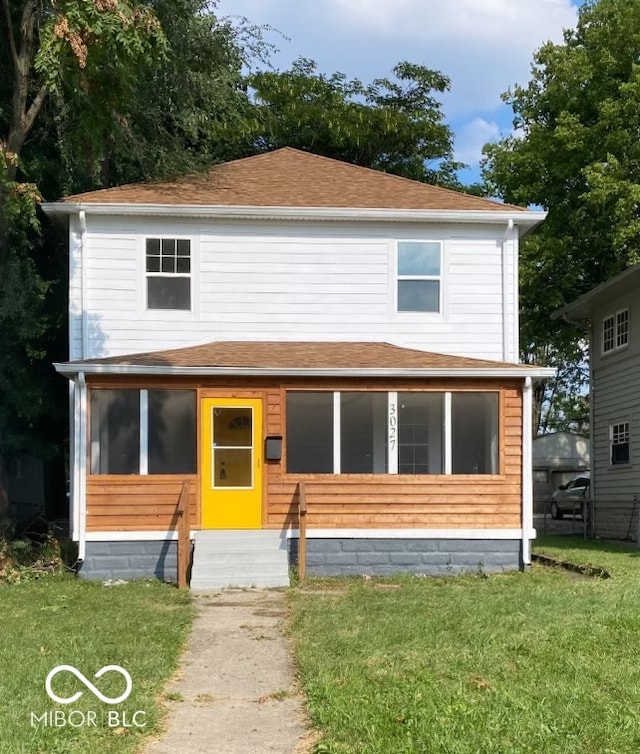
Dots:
pixel 231 463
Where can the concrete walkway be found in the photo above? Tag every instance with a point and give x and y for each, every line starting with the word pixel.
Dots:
pixel 235 691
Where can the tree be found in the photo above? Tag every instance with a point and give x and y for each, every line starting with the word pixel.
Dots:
pixel 82 51
pixel 393 124
pixel 186 109
pixel 100 92
pixel 575 152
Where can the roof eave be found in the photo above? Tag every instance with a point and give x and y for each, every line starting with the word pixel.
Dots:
pixel 69 369
pixel 582 307
pixel 524 218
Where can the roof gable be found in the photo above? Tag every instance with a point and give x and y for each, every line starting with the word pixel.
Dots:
pixel 289 177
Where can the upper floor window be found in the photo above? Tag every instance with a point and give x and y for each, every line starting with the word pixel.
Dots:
pixel 168 266
pixel 419 276
pixel 619 441
pixel 615 331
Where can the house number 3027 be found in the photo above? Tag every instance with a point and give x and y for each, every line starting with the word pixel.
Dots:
pixel 393 424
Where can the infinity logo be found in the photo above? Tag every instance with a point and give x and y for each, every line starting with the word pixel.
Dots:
pixel 88 684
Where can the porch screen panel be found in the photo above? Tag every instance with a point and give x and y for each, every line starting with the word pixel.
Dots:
pixel 363 433
pixel 172 431
pixel 115 431
pixel 309 440
pixel 420 433
pixel 474 427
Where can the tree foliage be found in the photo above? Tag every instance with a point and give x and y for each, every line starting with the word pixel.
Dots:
pixel 576 153
pixel 392 124
pixel 95 92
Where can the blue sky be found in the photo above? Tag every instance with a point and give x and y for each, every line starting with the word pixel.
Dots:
pixel 483 46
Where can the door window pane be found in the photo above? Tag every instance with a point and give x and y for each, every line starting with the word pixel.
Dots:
pixel 232 427
pixel 232 467
pixel 172 432
pixel 420 433
pixel 310 433
pixel 474 427
pixel 115 431
pixel 363 433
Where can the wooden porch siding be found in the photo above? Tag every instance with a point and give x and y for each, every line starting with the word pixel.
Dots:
pixel 139 503
pixel 355 501
pixel 147 502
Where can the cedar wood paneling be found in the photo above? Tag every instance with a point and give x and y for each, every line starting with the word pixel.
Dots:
pixel 123 503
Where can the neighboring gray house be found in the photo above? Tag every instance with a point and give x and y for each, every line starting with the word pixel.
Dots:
pixel 558 457
pixel 613 310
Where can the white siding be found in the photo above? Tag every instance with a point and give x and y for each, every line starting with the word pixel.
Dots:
pixel 296 281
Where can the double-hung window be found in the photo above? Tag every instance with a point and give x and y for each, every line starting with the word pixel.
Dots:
pixel 419 272
pixel 615 331
pixel 619 443
pixel 168 271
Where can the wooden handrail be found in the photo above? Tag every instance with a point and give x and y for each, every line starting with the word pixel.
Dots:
pixel 302 531
pixel 184 538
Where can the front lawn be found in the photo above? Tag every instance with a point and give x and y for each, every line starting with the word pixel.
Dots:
pixel 59 620
pixel 545 661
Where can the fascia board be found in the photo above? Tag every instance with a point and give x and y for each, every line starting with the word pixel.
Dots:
pixel 525 218
pixel 70 368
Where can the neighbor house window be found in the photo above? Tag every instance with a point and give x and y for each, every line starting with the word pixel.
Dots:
pixel 622 328
pixel 417 432
pixel 143 431
pixel 474 433
pixel 619 441
pixel 168 266
pixel 310 433
pixel 419 276
pixel 615 331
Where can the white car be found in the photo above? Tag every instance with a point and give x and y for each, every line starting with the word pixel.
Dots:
pixel 572 498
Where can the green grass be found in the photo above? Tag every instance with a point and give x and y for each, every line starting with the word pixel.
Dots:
pixel 59 620
pixel 544 661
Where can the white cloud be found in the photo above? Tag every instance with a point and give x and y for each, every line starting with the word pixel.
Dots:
pixel 471 137
pixel 484 46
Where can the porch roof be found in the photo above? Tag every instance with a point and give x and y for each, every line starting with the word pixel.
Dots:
pixel 295 358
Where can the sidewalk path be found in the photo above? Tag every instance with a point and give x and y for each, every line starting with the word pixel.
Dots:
pixel 235 691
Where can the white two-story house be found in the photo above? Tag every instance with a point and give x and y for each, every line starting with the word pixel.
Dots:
pixel 289 318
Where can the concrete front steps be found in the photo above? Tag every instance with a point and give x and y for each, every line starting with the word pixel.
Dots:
pixel 239 557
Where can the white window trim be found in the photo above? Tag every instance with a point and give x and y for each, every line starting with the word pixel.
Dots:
pixel 397 278
pixel 614 317
pixel 613 424
pixel 194 275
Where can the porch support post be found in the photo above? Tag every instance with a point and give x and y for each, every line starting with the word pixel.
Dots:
pixel 448 442
pixel 82 466
pixel 337 456
pixel 144 432
pixel 393 432
pixel 527 463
